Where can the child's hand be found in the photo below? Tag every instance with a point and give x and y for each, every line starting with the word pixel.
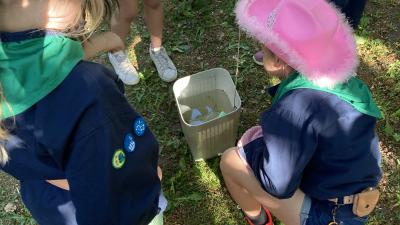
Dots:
pixel 159 172
pixel 63 184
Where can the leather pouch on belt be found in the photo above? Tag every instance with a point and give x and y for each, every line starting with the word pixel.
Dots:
pixel 365 202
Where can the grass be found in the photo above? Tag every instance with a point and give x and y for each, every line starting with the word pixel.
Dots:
pixel 202 34
pixel 9 194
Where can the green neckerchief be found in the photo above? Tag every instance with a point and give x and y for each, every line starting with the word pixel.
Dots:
pixel 354 91
pixel 31 69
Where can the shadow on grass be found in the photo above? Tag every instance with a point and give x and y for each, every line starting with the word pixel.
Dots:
pixel 385 94
pixel 379 51
pixel 208 200
pixel 380 22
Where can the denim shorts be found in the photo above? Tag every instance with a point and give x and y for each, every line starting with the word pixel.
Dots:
pixel 315 212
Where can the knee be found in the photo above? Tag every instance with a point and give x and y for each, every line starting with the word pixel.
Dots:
pixel 153 4
pixel 227 158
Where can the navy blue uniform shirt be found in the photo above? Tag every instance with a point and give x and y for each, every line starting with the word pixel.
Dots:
pixel 317 142
pixel 75 133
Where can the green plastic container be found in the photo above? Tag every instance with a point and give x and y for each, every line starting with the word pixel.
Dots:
pixel 211 87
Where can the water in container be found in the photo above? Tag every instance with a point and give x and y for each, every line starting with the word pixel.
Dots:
pixel 202 108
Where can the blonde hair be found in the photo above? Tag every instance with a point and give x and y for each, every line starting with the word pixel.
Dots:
pixel 92 15
pixel 3 136
pixel 3 152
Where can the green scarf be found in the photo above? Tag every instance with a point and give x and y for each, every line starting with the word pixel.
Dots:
pixel 31 69
pixel 354 91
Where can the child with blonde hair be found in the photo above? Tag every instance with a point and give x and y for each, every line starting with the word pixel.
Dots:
pixel 82 154
pixel 314 158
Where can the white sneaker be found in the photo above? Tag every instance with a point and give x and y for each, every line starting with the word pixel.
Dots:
pixel 165 67
pixel 123 67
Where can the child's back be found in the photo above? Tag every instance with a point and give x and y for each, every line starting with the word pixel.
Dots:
pixel 68 121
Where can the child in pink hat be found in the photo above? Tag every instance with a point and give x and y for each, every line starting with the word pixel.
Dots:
pixel 353 11
pixel 314 156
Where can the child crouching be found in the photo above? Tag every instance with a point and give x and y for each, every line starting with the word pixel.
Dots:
pixel 315 152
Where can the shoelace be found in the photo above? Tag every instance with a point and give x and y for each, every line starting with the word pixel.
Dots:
pixel 162 59
pixel 122 60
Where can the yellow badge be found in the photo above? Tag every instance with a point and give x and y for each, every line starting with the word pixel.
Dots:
pixel 118 159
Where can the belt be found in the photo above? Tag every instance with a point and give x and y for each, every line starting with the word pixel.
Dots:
pixel 346 200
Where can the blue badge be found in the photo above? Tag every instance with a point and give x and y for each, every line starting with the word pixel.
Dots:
pixel 129 143
pixel 139 126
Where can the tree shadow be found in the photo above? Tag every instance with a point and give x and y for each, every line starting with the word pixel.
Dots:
pixel 385 93
pixel 380 21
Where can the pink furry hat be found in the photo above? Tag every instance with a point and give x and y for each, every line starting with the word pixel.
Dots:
pixel 312 36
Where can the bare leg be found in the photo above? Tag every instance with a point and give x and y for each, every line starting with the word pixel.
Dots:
pixel 248 193
pixel 154 16
pixel 121 21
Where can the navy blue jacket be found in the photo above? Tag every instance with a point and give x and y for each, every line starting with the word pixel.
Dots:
pixel 73 133
pixel 352 9
pixel 315 141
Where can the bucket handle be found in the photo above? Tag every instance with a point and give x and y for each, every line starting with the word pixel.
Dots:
pixel 237 71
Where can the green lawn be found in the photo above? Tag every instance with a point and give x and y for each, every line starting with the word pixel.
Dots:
pixel 200 36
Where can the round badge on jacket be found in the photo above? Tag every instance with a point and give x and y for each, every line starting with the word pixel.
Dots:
pixel 139 126
pixel 129 143
pixel 118 159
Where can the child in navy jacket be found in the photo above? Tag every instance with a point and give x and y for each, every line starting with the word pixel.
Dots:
pixel 83 155
pixel 315 149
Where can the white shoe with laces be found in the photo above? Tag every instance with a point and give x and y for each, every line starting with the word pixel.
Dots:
pixel 123 67
pixel 165 67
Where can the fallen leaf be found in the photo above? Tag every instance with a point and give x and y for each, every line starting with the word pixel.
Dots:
pixel 10 207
